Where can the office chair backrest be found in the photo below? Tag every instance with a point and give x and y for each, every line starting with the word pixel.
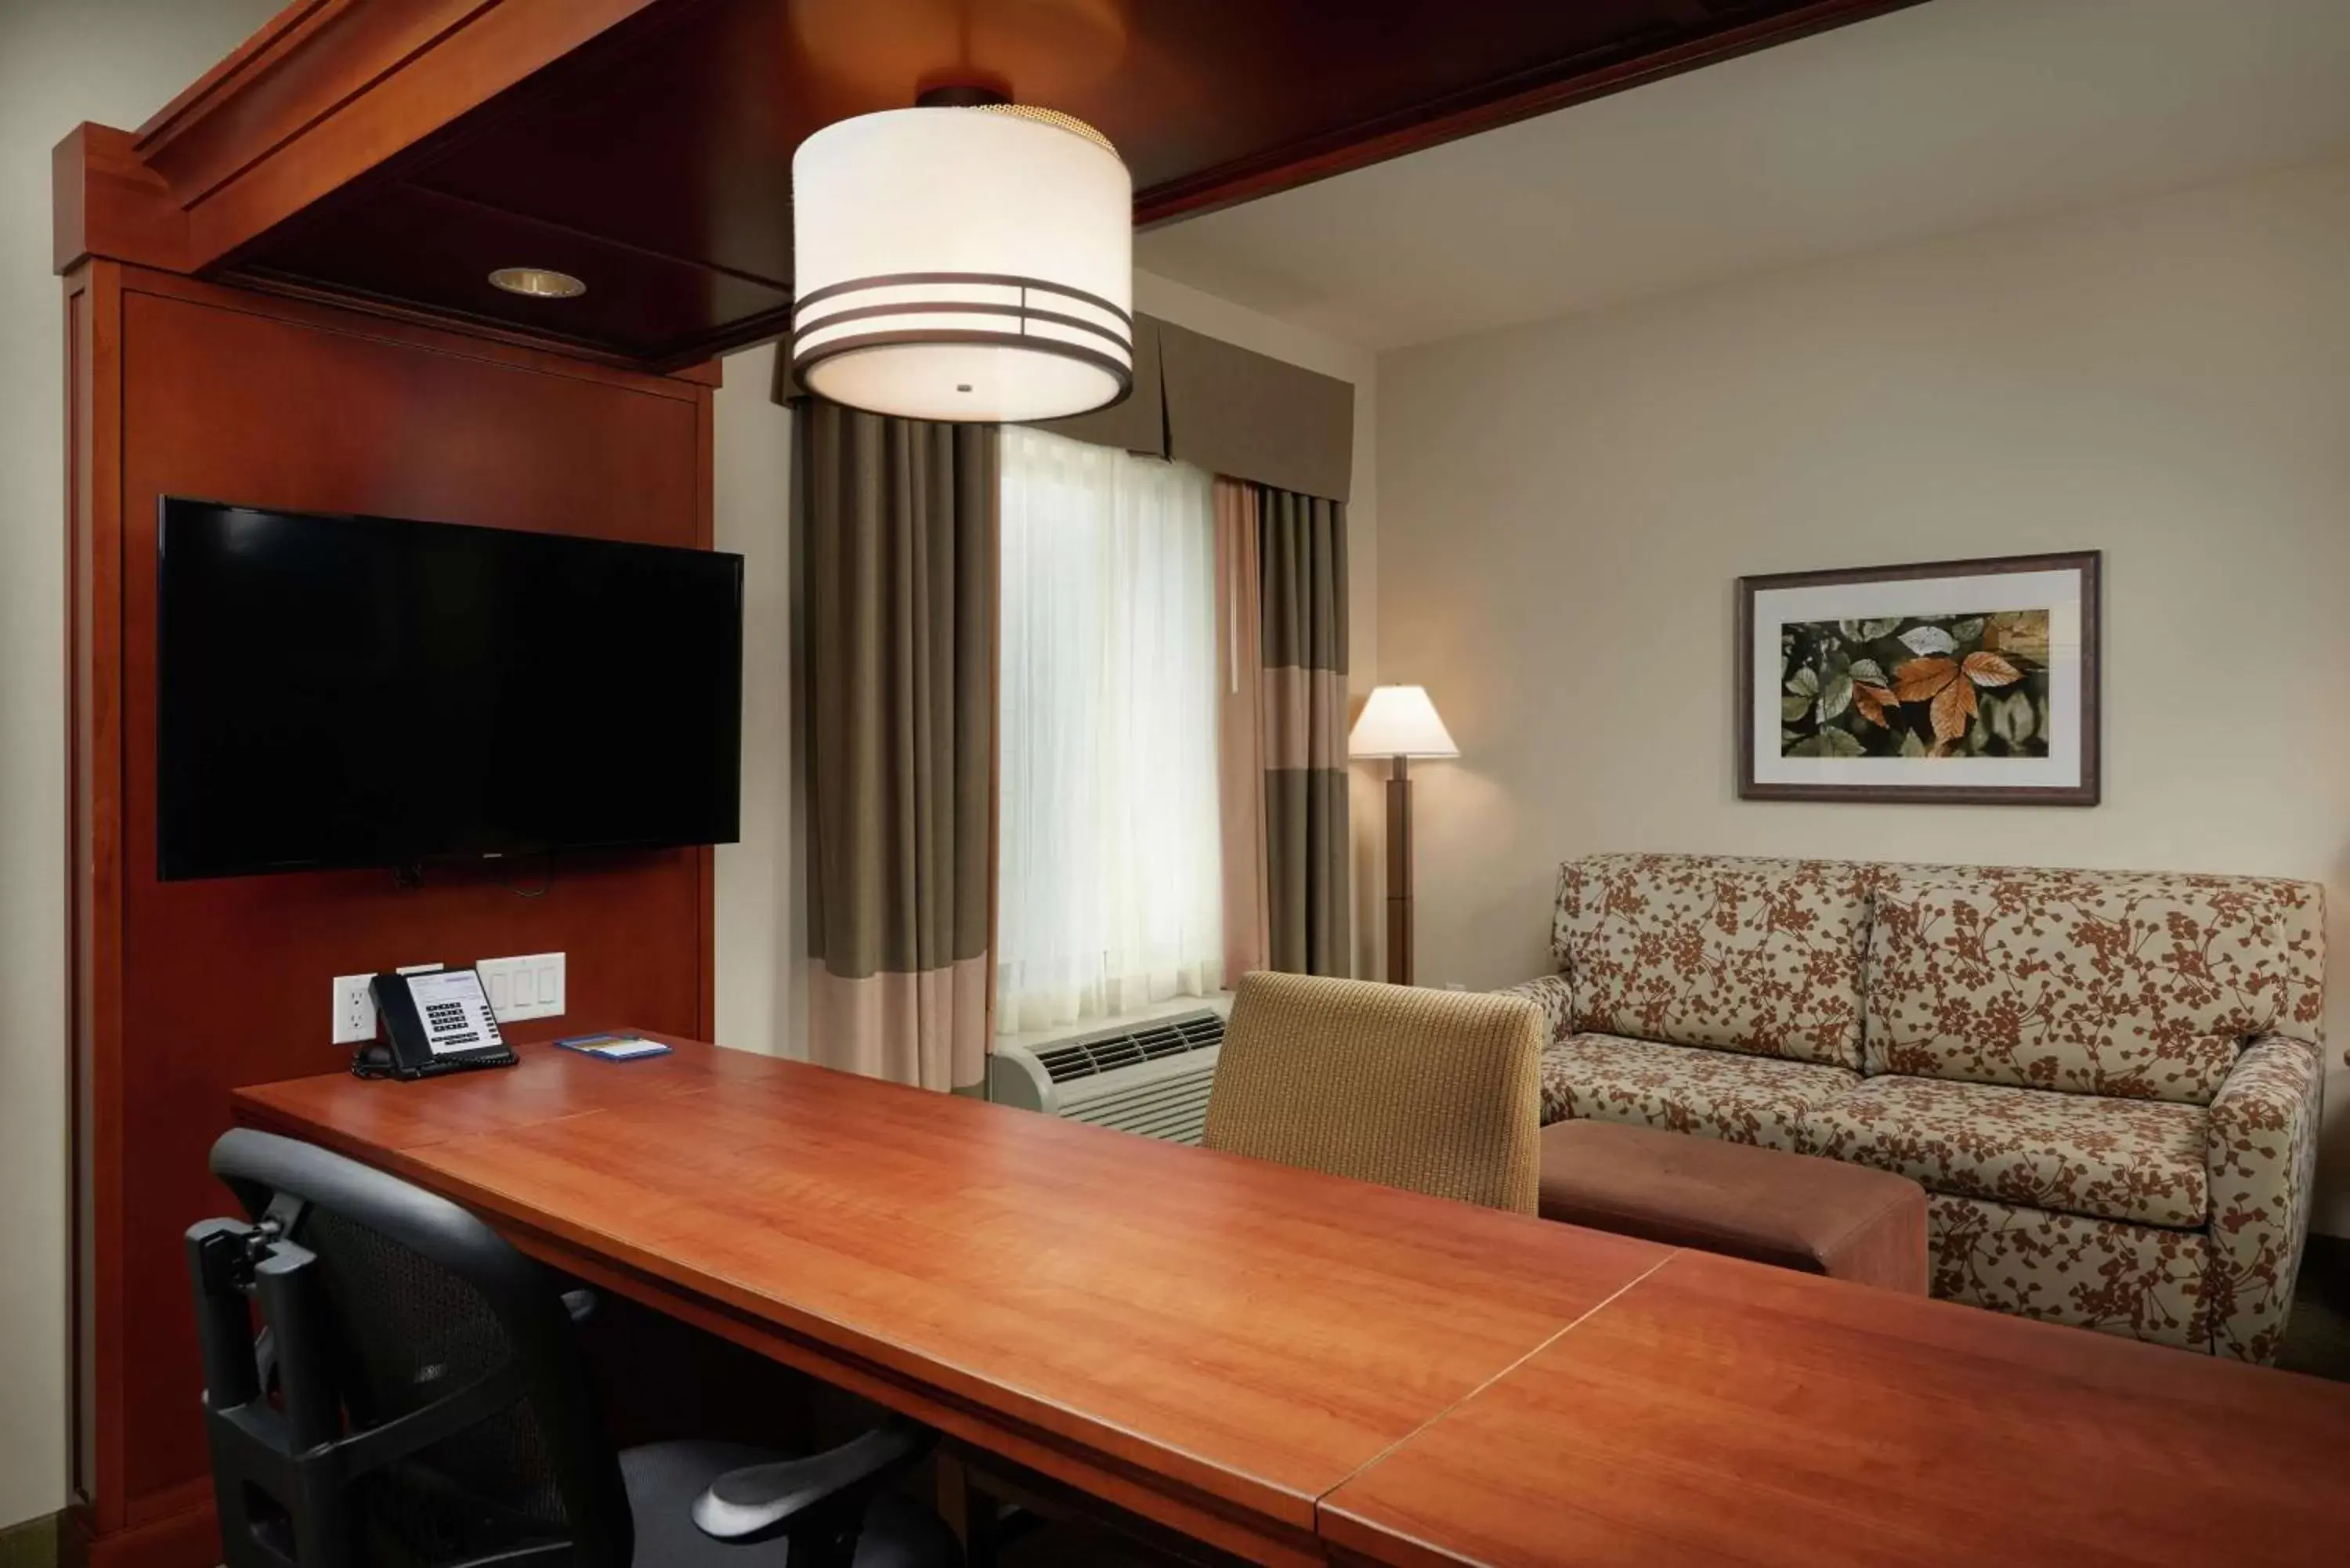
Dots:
pixel 1437 1091
pixel 431 1408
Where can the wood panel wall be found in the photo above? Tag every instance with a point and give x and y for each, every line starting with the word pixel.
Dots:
pixel 181 991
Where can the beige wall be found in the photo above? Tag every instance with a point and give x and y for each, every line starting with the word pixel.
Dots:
pixel 61 62
pixel 1565 508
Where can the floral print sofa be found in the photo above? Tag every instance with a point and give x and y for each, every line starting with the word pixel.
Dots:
pixel 2107 1082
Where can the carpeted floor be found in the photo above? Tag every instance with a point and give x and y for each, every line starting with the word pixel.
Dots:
pixel 32 1544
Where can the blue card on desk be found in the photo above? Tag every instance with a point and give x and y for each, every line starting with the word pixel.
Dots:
pixel 614 1047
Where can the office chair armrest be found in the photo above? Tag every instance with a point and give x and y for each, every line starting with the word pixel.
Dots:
pixel 580 1304
pixel 759 1502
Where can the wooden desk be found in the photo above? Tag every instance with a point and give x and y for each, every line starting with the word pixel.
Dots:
pixel 1211 1342
pixel 1283 1363
pixel 1721 1412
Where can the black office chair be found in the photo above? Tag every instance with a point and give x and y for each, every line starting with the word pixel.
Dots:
pixel 417 1400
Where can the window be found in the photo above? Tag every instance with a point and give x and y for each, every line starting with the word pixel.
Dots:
pixel 1109 881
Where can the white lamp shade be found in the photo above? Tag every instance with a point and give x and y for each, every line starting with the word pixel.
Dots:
pixel 1400 722
pixel 963 264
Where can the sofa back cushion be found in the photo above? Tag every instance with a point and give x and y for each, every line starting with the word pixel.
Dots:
pixel 2141 985
pixel 1759 956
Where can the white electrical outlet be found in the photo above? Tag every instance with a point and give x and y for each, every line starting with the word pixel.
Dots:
pixel 530 986
pixel 354 1010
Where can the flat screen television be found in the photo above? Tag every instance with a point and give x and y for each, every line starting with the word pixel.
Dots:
pixel 343 691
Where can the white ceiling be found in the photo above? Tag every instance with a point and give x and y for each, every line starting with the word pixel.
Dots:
pixel 1944 117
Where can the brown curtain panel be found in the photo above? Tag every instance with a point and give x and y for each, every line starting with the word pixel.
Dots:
pixel 1302 560
pixel 897 522
pixel 1239 729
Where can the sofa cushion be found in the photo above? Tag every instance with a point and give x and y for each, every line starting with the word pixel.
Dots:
pixel 2140 1160
pixel 2143 985
pixel 1717 1094
pixel 1764 956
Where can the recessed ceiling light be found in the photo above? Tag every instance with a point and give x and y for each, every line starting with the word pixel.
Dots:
pixel 538 282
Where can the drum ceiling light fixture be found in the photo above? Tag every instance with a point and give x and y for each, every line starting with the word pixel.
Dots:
pixel 964 259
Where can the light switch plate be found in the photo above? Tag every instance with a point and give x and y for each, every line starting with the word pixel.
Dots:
pixel 529 986
pixel 354 1010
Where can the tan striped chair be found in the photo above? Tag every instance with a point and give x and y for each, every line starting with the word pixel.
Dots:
pixel 1435 1090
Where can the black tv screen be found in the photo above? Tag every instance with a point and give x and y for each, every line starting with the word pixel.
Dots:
pixel 342 691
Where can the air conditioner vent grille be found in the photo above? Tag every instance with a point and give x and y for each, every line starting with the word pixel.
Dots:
pixel 1064 1063
pixel 1150 1042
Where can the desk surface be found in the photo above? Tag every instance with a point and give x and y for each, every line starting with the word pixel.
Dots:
pixel 1250 1352
pixel 1242 1335
pixel 1721 1412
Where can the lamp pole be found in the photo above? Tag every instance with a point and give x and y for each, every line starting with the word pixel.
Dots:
pixel 1400 872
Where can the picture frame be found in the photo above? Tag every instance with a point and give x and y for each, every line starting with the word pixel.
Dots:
pixel 1967 682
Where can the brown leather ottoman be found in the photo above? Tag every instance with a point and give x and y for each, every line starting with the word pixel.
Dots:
pixel 1821 1215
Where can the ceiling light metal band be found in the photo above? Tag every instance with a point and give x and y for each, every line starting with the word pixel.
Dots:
pixel 1121 373
pixel 841 298
pixel 1119 365
pixel 819 316
pixel 1124 345
pixel 835 305
pixel 992 279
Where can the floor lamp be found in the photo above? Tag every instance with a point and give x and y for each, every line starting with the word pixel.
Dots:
pixel 1399 722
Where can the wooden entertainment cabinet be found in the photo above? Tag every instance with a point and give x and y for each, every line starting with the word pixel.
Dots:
pixel 180 991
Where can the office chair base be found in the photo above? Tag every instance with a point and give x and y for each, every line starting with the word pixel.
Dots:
pixel 663 1480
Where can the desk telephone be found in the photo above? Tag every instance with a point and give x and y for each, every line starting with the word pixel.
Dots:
pixel 436 1020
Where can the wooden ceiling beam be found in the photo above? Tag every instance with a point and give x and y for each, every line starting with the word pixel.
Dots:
pixel 106 203
pixel 328 91
pixel 1561 85
pixel 337 94
pixel 1688 13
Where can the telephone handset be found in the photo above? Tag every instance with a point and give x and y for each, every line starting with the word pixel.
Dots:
pixel 435 1021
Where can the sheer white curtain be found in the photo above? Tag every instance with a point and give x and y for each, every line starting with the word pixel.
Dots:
pixel 1109 891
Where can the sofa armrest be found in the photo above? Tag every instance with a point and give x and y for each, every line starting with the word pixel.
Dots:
pixel 1552 994
pixel 2262 1158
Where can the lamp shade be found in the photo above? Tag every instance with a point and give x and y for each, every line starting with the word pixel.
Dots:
pixel 967 263
pixel 1400 722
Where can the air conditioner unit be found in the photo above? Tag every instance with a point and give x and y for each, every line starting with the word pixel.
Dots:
pixel 1151 1079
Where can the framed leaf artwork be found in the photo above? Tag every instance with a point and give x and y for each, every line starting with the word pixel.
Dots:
pixel 1961 682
